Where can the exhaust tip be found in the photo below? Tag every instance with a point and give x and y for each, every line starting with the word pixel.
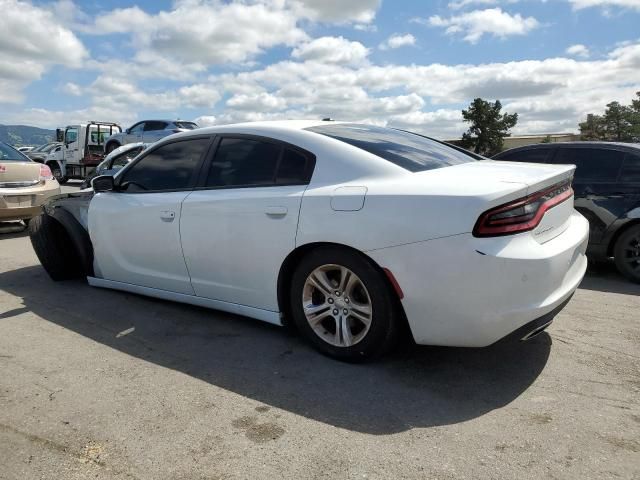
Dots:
pixel 536 331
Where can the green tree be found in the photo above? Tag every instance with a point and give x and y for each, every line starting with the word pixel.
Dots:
pixel 618 122
pixel 488 126
pixel 546 139
pixel 593 128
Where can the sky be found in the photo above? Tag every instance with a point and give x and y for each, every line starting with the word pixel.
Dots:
pixel 412 64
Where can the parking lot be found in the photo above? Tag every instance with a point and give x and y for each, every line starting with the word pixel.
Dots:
pixel 105 384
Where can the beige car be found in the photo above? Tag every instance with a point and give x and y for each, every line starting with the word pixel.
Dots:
pixel 24 185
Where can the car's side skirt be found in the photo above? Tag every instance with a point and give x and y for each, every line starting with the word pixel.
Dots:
pixel 257 313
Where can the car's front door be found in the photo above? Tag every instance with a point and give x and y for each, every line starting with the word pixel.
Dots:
pixel 239 225
pixel 135 230
pixel 595 184
pixel 134 134
pixel 72 148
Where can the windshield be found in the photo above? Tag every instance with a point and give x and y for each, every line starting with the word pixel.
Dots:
pixel 186 125
pixel 10 154
pixel 407 150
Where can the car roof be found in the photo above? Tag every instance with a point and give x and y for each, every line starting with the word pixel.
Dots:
pixel 574 144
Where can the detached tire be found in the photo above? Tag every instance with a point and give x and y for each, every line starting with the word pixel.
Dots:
pixel 626 253
pixel 343 305
pixel 54 248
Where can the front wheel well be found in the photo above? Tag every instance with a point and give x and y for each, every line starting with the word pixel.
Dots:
pixel 619 232
pixel 290 263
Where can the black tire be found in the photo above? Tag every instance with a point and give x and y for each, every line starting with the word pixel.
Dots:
pixel 385 319
pixel 57 173
pixel 111 147
pixel 54 248
pixel 626 253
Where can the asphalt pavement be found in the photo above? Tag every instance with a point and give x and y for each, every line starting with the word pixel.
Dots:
pixel 105 384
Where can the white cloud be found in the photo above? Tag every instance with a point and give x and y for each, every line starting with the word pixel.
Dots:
pixel 457 5
pixel 578 50
pixel 31 41
pixel 204 31
pixel 71 88
pixel 259 102
pixel 338 11
pixel 396 41
pixel 580 4
pixel 336 50
pixel 492 21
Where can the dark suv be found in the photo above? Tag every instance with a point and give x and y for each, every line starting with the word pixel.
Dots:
pixel 607 193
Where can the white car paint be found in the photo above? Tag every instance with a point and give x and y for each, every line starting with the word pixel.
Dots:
pixel 224 248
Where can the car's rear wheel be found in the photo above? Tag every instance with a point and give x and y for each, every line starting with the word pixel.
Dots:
pixel 54 248
pixel 343 305
pixel 626 253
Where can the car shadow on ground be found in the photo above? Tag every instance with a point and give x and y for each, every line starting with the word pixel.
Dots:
pixel 604 277
pixel 414 387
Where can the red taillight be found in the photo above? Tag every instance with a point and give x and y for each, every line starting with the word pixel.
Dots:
pixel 523 214
pixel 45 173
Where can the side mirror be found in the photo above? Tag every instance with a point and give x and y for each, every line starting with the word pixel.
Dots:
pixel 59 135
pixel 127 131
pixel 102 183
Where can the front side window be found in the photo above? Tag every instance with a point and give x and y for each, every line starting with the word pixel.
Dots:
pixel 170 167
pixel 71 135
pixel 592 164
pixel 136 129
pixel 407 150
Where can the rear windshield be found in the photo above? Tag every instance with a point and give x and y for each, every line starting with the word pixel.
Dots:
pixel 407 150
pixel 10 154
pixel 186 125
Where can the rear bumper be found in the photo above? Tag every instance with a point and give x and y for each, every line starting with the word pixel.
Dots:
pixel 24 203
pixel 471 292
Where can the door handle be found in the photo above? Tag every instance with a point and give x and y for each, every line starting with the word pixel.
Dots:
pixel 275 211
pixel 167 215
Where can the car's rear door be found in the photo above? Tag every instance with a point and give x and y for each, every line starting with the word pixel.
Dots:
pixel 239 225
pixel 154 131
pixel 135 230
pixel 597 192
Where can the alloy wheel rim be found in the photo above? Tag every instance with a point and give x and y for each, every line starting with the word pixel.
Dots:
pixel 337 305
pixel 632 253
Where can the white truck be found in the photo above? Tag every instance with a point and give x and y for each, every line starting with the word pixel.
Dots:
pixel 81 150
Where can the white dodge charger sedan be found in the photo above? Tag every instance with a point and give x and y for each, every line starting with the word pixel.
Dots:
pixel 349 232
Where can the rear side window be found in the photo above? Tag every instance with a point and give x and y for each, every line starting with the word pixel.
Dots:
pixel 242 162
pixel 533 155
pixel 170 167
pixel 153 126
pixel 186 125
pixel 631 169
pixel 594 164
pixel 407 150
pixel 9 154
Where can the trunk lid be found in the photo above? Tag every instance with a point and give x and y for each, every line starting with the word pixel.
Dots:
pixel 15 174
pixel 498 183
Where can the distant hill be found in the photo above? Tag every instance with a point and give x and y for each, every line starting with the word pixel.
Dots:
pixel 24 135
